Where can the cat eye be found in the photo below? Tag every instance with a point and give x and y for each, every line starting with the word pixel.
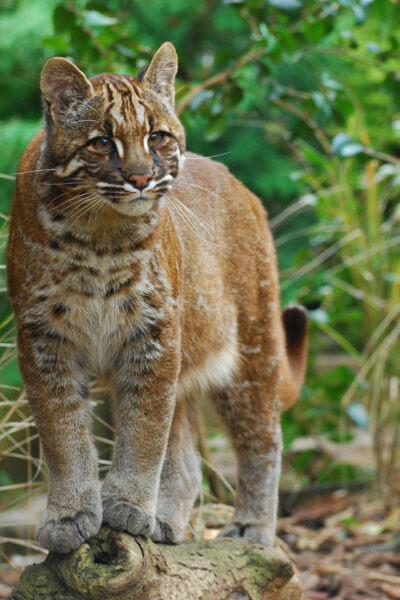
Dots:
pixel 103 145
pixel 156 139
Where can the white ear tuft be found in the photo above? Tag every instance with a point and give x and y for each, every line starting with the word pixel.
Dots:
pixel 160 74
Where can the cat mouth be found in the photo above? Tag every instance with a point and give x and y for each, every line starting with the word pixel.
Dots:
pixel 132 207
pixel 141 195
pixel 131 198
pixel 128 194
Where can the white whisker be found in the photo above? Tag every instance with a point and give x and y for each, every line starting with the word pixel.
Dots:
pixel 35 171
pixel 200 221
pixel 68 192
pixel 195 185
pixel 86 121
pixel 79 210
pixel 212 156
pixel 190 224
pixel 84 210
pixel 200 198
pixel 73 201
pixel 182 215
pixel 66 182
pixel 93 202
pixel 186 220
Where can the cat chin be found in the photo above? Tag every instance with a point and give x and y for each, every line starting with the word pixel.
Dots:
pixel 134 208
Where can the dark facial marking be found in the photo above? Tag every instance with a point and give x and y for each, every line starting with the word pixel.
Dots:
pixel 129 304
pixel 59 309
pixel 108 127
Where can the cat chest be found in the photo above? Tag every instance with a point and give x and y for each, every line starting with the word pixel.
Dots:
pixel 97 306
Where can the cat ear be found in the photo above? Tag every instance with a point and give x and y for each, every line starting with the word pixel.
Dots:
pixel 63 84
pixel 160 74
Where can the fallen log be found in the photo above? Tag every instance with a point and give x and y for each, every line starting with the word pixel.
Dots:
pixel 114 565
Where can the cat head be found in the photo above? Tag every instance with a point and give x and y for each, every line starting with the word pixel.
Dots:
pixel 114 136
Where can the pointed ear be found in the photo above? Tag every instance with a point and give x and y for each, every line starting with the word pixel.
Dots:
pixel 160 74
pixel 62 84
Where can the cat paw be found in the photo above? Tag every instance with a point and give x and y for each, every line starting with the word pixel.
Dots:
pixel 255 533
pixel 167 533
pixel 65 532
pixel 127 516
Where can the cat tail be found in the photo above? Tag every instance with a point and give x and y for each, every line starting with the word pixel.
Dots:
pixel 295 324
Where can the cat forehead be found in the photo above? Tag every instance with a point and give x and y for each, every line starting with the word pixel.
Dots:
pixel 123 101
pixel 128 107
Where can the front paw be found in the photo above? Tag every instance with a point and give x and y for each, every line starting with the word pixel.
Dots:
pixel 127 516
pixel 65 530
pixel 168 533
pixel 254 532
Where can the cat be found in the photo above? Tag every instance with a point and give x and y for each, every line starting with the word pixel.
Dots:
pixel 155 269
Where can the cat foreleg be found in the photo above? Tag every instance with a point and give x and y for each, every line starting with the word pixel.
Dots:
pixel 145 385
pixel 57 394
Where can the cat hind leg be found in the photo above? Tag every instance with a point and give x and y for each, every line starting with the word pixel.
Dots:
pixel 252 421
pixel 180 481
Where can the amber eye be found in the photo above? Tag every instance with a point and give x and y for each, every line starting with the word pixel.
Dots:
pixel 103 145
pixel 156 139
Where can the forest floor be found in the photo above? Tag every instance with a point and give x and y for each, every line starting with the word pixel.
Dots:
pixel 343 544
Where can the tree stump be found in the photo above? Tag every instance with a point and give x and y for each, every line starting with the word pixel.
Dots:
pixel 116 566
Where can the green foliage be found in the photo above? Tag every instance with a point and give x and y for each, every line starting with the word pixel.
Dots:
pixel 23 25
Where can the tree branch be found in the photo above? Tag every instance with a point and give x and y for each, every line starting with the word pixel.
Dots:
pixel 319 134
pixel 218 78
pixel 114 565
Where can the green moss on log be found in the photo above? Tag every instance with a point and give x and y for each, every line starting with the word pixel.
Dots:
pixel 114 565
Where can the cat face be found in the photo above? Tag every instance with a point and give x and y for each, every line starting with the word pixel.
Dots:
pixel 116 137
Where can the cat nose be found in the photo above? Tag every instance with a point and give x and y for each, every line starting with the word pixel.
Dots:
pixel 140 181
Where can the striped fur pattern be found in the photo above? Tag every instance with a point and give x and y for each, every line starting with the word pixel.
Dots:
pixel 157 274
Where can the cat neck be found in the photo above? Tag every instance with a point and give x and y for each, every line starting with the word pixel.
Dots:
pixel 93 222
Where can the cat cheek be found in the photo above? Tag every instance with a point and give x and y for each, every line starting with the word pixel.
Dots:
pixel 106 162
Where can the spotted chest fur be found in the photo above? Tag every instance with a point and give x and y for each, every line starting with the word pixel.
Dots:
pixel 99 302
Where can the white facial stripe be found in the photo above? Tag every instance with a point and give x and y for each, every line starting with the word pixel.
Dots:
pixel 69 168
pixel 129 188
pixel 120 148
pixel 116 114
pixel 150 186
pixel 182 159
pixel 166 178
pixel 140 113
pixel 146 143
pixel 95 133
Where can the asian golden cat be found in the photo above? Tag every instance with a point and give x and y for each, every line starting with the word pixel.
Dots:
pixel 155 269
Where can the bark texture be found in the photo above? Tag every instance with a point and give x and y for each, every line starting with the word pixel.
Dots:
pixel 114 565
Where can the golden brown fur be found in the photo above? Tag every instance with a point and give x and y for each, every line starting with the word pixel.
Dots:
pixel 160 275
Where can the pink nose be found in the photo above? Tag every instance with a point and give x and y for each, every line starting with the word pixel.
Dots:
pixel 140 181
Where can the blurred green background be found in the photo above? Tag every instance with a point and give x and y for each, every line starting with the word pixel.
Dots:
pixel 301 101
